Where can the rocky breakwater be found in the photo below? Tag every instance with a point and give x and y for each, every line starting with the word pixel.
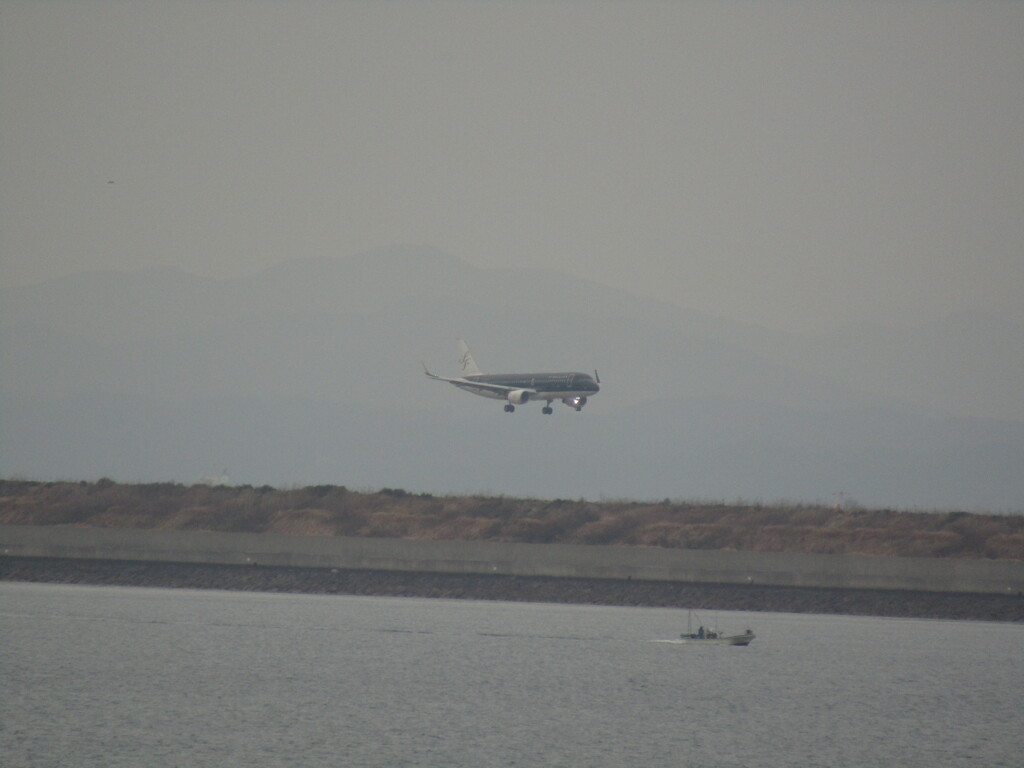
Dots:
pixel 894 603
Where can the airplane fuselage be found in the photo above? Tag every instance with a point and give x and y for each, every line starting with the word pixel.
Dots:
pixel 571 387
pixel 539 386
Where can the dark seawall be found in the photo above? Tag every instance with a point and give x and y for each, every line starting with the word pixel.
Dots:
pixel 867 602
pixel 558 573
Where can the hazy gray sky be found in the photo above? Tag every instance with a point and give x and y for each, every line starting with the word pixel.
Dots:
pixel 796 165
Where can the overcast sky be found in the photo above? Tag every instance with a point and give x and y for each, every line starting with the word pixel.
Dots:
pixel 795 165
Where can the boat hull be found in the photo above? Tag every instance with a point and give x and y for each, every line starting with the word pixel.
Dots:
pixel 743 639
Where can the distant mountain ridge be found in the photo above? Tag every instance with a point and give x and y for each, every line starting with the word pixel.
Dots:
pixel 309 372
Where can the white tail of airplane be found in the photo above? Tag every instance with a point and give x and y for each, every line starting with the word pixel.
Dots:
pixel 467 365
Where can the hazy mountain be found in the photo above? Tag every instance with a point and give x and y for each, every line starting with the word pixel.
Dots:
pixel 968 364
pixel 310 372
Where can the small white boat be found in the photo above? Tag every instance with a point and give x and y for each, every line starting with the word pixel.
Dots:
pixel 712 636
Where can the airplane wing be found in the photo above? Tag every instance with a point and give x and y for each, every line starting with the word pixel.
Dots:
pixel 470 384
pixel 432 375
pixel 498 388
pixel 440 378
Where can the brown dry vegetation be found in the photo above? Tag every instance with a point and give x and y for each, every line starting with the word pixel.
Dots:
pixel 327 510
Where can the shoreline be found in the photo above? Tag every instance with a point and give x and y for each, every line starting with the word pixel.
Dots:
pixel 540 589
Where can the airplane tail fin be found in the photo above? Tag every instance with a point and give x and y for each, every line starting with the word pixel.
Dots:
pixel 467 365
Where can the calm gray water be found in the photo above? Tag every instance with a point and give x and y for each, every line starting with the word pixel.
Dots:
pixel 117 676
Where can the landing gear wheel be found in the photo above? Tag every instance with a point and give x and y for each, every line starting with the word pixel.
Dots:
pixel 509 408
pixel 547 409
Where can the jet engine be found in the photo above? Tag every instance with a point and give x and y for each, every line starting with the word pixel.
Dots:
pixel 518 396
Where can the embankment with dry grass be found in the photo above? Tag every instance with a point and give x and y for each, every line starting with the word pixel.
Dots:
pixel 330 510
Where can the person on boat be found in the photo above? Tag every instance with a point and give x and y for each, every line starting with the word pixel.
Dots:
pixel 700 633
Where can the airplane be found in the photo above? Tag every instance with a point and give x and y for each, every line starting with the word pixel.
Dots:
pixel 571 388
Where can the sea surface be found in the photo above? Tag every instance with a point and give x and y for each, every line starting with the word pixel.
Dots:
pixel 128 676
